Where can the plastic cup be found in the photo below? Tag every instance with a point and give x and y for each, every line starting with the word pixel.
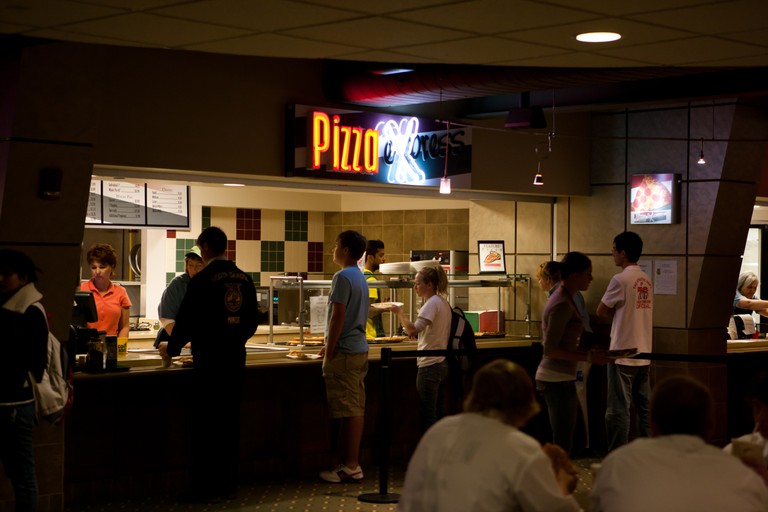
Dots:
pixel 122 348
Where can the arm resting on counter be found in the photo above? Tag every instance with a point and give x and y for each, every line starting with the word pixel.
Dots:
pixel 757 305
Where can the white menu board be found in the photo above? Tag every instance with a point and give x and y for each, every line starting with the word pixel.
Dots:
pixel 124 202
pixel 167 204
pixel 93 212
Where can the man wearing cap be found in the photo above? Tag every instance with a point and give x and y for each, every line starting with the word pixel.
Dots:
pixel 174 293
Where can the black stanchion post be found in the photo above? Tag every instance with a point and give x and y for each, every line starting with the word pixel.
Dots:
pixel 383 496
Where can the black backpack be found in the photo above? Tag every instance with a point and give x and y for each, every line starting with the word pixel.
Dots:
pixel 461 337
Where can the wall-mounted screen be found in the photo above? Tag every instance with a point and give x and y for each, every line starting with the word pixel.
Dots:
pixel 654 199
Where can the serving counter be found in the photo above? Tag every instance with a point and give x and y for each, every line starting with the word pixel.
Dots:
pixel 125 434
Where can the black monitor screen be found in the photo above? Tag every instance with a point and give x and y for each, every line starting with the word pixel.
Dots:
pixel 85 307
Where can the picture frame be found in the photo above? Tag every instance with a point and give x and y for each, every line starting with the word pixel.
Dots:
pixel 490 254
pixel 654 199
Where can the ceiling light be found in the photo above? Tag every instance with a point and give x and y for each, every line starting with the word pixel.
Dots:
pixel 233 184
pixel 538 179
pixel 445 185
pixel 391 71
pixel 701 160
pixel 598 37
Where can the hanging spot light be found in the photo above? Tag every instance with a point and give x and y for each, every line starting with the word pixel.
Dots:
pixel 598 37
pixel 701 160
pixel 445 181
pixel 538 179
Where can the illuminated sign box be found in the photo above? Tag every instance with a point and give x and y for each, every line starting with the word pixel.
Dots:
pixel 654 199
pixel 371 147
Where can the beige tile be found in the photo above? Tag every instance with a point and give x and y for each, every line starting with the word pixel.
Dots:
pixel 415 217
pixel 492 220
pixel 170 255
pixel 436 237
pixel 333 218
pixel 374 233
pixel 273 225
pixel 393 218
pixel 226 219
pixel 458 236
pixel 352 218
pixel 458 216
pixel 534 227
pixel 392 236
pixel 296 258
pixel 329 237
pixel 592 229
pixel 373 218
pixel 436 217
pixel 413 237
pixel 316 227
pixel 353 227
pixel 249 255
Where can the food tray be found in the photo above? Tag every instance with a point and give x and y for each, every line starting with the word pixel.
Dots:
pixel 489 334
pixel 386 339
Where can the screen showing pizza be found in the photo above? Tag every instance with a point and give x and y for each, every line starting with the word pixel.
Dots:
pixel 653 199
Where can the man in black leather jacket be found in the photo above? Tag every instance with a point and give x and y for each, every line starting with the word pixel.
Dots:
pixel 218 315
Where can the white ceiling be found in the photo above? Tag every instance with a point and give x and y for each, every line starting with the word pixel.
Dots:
pixel 488 32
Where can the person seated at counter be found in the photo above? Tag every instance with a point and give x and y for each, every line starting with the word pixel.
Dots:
pixel 112 303
pixel 174 294
pixel 676 469
pixel 481 460
pixel 746 301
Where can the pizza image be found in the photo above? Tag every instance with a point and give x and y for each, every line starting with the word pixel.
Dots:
pixel 491 257
pixel 651 195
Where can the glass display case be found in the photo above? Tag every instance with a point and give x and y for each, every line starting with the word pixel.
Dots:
pixel 400 289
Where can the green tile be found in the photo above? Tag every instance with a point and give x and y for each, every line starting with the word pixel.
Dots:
pixel 180 266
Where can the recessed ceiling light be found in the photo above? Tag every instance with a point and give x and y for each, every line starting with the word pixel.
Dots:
pixel 598 37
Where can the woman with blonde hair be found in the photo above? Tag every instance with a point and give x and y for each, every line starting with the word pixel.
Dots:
pixel 433 327
pixel 481 460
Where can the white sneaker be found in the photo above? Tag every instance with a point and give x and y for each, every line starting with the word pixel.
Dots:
pixel 342 473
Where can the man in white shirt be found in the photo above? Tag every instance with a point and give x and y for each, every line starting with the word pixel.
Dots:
pixel 628 301
pixel 676 470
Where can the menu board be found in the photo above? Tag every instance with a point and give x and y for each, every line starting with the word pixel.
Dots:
pixel 167 204
pixel 137 204
pixel 93 212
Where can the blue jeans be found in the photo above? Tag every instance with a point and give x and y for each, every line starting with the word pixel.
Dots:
pixel 16 452
pixel 430 385
pixel 627 385
pixel 562 407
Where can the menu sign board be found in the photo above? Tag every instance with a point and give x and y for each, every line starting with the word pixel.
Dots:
pixel 131 204
pixel 654 199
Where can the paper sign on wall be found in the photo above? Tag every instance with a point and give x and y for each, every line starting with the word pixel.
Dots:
pixel 665 277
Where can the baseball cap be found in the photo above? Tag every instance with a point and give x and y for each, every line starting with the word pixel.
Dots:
pixel 194 252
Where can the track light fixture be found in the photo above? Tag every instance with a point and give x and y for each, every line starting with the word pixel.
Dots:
pixel 538 179
pixel 701 160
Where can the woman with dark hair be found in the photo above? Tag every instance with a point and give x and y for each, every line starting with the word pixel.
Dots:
pixel 562 327
pixel 433 328
pixel 481 460
pixel 112 302
pixel 24 357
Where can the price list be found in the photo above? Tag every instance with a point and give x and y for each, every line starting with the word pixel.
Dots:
pixel 93 212
pixel 167 204
pixel 124 202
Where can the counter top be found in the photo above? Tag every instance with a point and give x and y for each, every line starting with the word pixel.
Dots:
pixel 142 356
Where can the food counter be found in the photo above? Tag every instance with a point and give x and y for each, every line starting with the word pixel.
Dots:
pixel 125 434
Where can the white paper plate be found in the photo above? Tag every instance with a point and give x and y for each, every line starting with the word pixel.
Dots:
pixel 386 305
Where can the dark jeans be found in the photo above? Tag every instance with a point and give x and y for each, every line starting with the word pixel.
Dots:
pixel 214 431
pixel 16 452
pixel 627 385
pixel 562 407
pixel 430 385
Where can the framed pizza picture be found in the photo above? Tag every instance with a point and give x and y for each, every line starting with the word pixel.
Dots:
pixel 654 198
pixel 491 255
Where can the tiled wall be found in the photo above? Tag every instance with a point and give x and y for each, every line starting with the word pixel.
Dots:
pixel 261 242
pixel 401 230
